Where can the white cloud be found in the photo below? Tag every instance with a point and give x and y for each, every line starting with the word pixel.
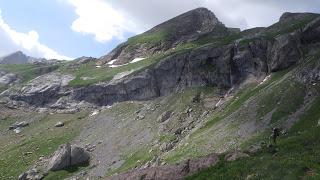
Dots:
pixel 99 18
pixel 108 19
pixel 27 42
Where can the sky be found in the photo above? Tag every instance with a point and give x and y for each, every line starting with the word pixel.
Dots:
pixel 67 29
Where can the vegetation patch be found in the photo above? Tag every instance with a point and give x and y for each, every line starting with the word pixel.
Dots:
pixel 133 160
pixel 88 74
pixel 152 38
pixel 285 98
pixel 41 138
pixel 27 71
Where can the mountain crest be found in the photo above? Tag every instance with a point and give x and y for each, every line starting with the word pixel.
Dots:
pixel 200 19
pixel 184 28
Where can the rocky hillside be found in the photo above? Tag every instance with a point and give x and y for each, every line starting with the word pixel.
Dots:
pixel 173 102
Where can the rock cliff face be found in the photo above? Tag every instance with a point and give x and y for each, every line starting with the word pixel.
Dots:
pixel 223 66
pixel 186 27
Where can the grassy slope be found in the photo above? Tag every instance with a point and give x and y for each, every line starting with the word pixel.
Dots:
pixel 297 157
pixel 27 71
pixel 40 139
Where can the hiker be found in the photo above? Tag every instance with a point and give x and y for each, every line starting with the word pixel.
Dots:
pixel 275 134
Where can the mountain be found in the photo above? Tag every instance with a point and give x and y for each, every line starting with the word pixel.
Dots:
pixel 15 58
pixel 189 98
pixel 18 58
pixel 170 34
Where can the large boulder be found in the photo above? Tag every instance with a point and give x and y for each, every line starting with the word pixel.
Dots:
pixel 61 158
pixel 79 156
pixel 67 156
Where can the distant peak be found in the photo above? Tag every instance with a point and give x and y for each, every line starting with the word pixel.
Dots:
pixel 17 53
pixel 201 19
pixel 287 16
pixel 201 9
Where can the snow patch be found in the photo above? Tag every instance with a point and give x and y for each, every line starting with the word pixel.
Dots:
pixel 265 79
pixel 95 112
pixel 133 61
pixel 137 60
pixel 112 61
pixel 114 66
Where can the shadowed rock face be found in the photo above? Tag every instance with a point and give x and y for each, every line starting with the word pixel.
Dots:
pixel 222 67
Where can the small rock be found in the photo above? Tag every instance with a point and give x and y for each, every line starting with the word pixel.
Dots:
pixel 205 113
pixel 19 125
pixel 27 153
pixel 17 130
pixel 59 124
pixel 253 148
pixel 178 131
pixel 235 156
pixel 140 117
pixel 164 116
pixel 95 112
pixel 32 174
pixel 23 176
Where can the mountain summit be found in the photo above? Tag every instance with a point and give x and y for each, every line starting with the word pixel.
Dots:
pixel 19 57
pixel 14 58
pixel 170 34
pixel 200 20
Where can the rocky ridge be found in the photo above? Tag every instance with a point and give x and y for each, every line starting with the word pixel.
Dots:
pixel 223 66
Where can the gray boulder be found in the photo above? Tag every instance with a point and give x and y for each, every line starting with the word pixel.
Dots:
pixel 164 116
pixel 79 156
pixel 59 124
pixel 18 125
pixel 32 174
pixel 61 158
pixel 67 156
